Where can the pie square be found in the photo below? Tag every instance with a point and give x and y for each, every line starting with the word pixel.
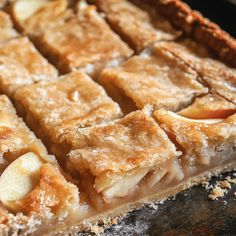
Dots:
pixel 113 159
pixel 21 64
pixel 206 143
pixel 140 27
pixel 30 179
pixel 215 74
pixel 155 77
pixel 72 41
pixel 72 102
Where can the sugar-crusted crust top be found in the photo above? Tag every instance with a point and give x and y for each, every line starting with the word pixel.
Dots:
pixel 135 141
pixel 15 137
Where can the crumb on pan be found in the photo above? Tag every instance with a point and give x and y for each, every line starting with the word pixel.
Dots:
pixel 221 188
pixel 217 192
pixel 97 229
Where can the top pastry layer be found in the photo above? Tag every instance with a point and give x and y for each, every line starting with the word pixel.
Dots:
pixel 75 41
pixel 156 77
pixel 138 27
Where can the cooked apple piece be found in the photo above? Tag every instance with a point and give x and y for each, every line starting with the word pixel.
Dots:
pixel 30 185
pixel 124 185
pixel 20 178
pixel 42 13
pixel 155 77
pixel 165 176
pixel 206 143
pixel 24 9
pixel 209 106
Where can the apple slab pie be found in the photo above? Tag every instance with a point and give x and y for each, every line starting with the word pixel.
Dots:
pixel 106 105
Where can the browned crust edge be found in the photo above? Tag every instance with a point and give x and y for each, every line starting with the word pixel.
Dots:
pixel 199 28
pixel 157 198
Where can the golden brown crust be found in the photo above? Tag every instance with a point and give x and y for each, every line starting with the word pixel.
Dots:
pixel 120 146
pixel 205 142
pixel 74 101
pixel 200 28
pixel 22 64
pixel 138 27
pixel 216 75
pixel 52 196
pixel 179 13
pixel 124 145
pixel 83 38
pixel 157 78
pixel 16 139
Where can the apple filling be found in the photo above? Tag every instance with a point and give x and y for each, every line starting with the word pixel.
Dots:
pixel 112 186
pixel 110 190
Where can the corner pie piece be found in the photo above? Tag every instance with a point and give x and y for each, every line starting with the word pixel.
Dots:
pixel 215 74
pixel 138 27
pixel 155 77
pixel 26 170
pixel 21 64
pixel 116 162
pixel 83 41
pixel 72 102
pixel 206 143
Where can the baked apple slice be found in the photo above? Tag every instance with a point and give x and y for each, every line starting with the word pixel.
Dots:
pixel 209 106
